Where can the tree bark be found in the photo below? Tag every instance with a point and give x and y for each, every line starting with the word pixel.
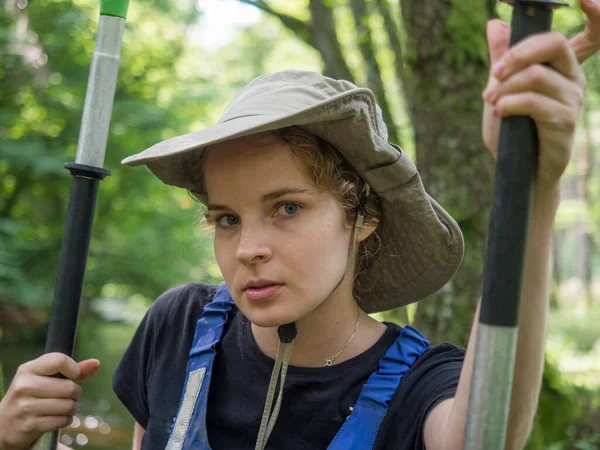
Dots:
pixel 374 81
pixel 324 39
pixel 393 35
pixel 447 68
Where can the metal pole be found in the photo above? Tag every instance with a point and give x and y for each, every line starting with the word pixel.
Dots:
pixel 497 333
pixel 87 172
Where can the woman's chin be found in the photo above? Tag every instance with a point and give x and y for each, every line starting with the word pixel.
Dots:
pixel 270 317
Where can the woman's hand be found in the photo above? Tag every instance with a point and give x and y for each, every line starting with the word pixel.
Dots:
pixel 36 402
pixel 520 84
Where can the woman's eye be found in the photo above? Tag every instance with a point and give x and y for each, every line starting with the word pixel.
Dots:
pixel 288 209
pixel 227 220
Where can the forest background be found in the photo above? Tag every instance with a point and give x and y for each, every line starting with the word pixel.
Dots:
pixel 182 61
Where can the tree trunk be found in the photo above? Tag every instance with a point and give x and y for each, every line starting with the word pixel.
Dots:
pixel 447 68
pixel 588 168
pixel 367 50
pixel 324 39
pixel 393 35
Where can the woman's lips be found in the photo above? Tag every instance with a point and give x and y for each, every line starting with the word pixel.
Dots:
pixel 263 293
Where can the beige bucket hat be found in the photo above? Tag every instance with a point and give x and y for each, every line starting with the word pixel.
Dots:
pixel 421 245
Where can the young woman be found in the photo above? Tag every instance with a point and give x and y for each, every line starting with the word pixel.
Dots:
pixel 317 222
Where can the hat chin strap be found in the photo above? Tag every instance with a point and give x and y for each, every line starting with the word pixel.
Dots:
pixel 360 219
pixel 287 333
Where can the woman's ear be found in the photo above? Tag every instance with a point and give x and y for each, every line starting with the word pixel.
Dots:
pixel 367 229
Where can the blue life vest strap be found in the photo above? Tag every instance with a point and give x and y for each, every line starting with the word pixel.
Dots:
pixel 189 428
pixel 361 427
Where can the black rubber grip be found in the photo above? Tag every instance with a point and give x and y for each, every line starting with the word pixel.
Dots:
pixel 513 191
pixel 73 257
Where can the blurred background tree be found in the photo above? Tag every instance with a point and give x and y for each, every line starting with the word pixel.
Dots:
pixel 182 62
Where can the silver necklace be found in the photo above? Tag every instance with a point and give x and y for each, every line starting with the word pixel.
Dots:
pixel 330 361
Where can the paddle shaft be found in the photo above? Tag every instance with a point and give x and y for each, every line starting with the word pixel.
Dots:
pixel 497 331
pixel 87 172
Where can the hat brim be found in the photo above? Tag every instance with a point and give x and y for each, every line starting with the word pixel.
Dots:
pixel 226 130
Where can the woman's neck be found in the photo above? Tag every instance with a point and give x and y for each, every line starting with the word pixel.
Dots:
pixel 324 332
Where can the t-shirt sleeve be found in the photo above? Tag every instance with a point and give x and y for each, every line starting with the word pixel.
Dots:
pixel 433 378
pixel 131 378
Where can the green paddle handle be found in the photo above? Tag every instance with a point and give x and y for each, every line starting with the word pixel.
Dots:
pixel 115 8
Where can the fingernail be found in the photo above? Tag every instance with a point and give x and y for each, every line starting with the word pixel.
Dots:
pixel 495 112
pixel 489 94
pixel 498 69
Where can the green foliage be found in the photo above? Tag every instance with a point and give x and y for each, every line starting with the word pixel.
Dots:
pixel 549 426
pixel 465 24
pixel 145 237
pixel 565 418
pixel 581 329
pixel 571 212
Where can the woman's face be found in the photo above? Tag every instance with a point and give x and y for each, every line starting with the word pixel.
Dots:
pixel 280 243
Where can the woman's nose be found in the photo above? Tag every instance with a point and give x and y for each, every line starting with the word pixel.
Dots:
pixel 253 246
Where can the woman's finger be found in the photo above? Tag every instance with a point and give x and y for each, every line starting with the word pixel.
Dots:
pixel 48 407
pixel 587 43
pixel 543 110
pixel 51 364
pixel 550 48
pixel 88 368
pixel 46 387
pixel 541 79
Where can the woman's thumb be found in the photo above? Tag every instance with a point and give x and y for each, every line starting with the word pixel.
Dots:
pixel 498 37
pixel 88 368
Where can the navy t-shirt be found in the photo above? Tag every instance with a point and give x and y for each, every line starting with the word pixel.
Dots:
pixel 316 401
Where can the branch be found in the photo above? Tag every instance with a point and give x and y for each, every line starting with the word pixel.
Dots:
pixel 367 49
pixel 299 27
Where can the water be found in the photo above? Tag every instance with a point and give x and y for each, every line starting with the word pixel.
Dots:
pixel 102 421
